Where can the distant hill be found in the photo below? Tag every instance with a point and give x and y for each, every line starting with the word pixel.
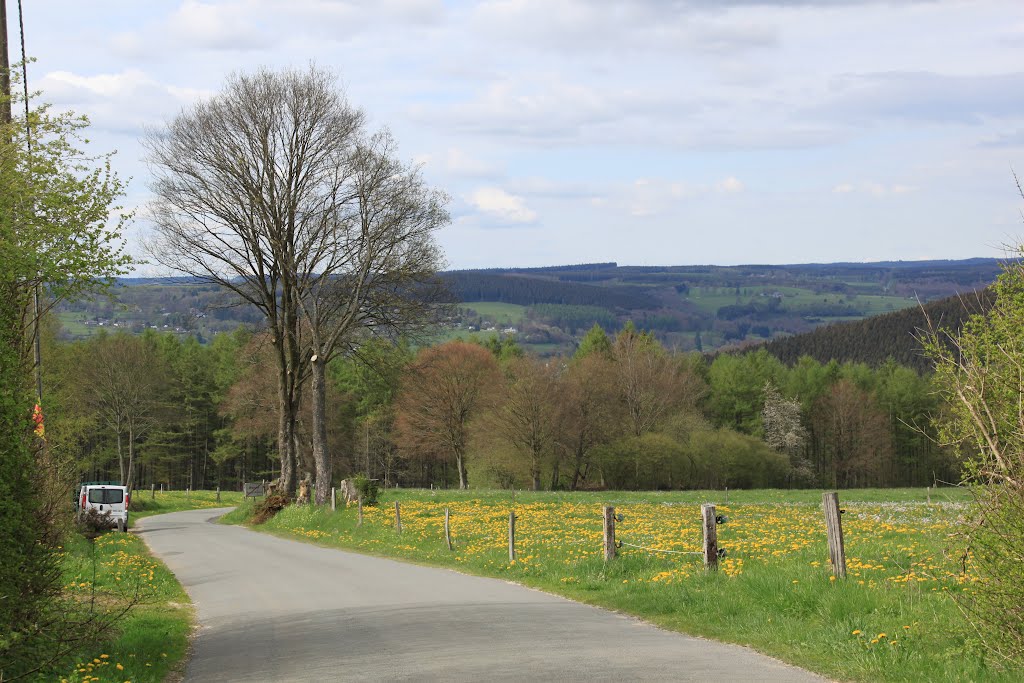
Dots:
pixel 697 307
pixel 878 338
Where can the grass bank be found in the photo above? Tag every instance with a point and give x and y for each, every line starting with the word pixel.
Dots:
pixel 891 620
pixel 149 641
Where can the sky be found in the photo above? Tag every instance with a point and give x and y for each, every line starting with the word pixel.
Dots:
pixel 646 132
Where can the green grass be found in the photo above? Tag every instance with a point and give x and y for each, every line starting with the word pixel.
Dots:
pixel 774 591
pixel 151 640
pixel 74 324
pixel 147 643
pixel 498 312
pixel 145 503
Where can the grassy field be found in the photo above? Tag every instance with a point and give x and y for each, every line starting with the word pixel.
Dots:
pixel 116 569
pixel 710 299
pixel 145 504
pixel 74 324
pixel 892 619
pixel 497 312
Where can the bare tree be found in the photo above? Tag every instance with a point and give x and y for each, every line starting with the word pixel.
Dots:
pixel 445 389
pixel 652 383
pixel 588 412
pixel 250 186
pixel 375 269
pixel 528 417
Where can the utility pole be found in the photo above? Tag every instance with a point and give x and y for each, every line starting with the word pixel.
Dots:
pixel 5 119
pixel 5 68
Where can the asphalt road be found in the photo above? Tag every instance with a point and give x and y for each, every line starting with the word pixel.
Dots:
pixel 276 610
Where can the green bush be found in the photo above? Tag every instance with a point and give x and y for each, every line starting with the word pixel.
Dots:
pixel 368 489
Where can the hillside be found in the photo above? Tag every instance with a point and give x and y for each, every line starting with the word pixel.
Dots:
pixel 878 338
pixel 687 307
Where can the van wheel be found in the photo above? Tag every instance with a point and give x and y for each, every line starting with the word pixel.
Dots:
pixel 121 526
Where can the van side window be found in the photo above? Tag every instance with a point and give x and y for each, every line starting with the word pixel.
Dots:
pixel 106 496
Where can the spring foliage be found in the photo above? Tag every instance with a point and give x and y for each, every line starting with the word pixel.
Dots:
pixel 980 372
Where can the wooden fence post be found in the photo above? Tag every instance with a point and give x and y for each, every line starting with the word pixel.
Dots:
pixel 834 527
pixel 447 528
pixel 360 520
pixel 710 525
pixel 929 493
pixel 152 491
pixel 609 532
pixel 512 537
pixel 188 491
pixel 218 494
pixel 398 518
pixel 334 498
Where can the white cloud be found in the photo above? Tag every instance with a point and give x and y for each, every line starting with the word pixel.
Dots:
pixel 873 188
pixel 222 26
pixel 498 204
pixel 121 102
pixel 460 163
pixel 730 185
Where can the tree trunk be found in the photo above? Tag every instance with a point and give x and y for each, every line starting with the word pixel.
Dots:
pixel 321 460
pixel 129 480
pixel 120 457
pixel 461 464
pixel 286 435
pixel 535 470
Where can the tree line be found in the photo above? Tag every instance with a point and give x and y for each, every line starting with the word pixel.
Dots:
pixel 623 412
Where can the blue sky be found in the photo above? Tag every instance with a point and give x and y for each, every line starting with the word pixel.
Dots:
pixel 640 131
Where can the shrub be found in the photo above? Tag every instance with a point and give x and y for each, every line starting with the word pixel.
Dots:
pixel 91 523
pixel 368 489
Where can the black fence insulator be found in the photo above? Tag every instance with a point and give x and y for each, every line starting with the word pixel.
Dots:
pixel 722 552
pixel 618 544
pixel 721 519
pixel 620 517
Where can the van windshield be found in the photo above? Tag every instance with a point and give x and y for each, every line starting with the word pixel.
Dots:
pixel 106 496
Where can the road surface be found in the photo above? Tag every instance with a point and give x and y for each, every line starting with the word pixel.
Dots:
pixel 271 609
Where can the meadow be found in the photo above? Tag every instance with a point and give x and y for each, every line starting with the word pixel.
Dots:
pixel 892 619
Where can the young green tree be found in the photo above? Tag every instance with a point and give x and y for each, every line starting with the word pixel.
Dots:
pixel 55 233
pixel 980 374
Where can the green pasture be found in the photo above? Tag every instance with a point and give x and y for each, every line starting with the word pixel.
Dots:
pixel 497 312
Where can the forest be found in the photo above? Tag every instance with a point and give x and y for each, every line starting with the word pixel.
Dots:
pixel 622 412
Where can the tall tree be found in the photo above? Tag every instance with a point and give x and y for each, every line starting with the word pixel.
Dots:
pixel 651 382
pixel 589 411
pixel 446 388
pixel 124 383
pixel 528 416
pixel 855 436
pixel 249 185
pixel 55 232
pixel 374 265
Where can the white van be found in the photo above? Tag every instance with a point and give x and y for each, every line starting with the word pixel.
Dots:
pixel 107 500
